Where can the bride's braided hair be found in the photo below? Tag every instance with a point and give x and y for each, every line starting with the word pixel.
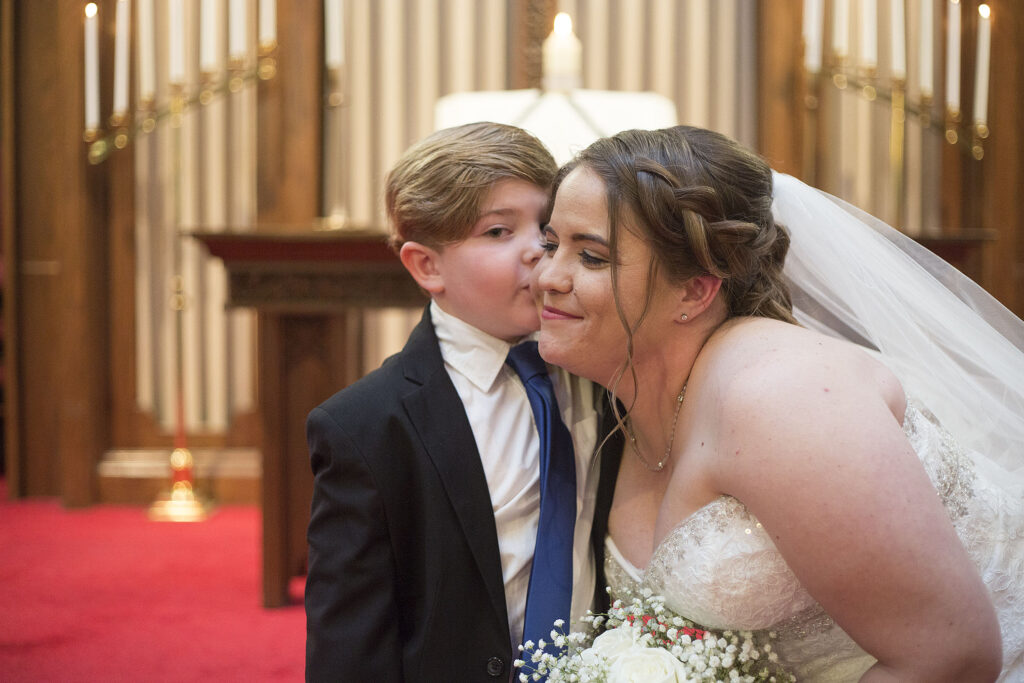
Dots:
pixel 703 203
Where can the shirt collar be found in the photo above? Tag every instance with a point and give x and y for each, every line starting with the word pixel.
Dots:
pixel 470 351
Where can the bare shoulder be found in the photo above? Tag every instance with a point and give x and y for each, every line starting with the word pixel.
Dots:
pixel 770 366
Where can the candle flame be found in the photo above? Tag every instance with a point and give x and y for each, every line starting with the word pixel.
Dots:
pixel 563 24
pixel 90 10
pixel 985 11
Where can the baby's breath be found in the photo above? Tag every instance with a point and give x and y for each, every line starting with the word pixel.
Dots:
pixel 734 656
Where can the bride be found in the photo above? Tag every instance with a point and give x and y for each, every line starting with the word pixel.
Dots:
pixel 803 435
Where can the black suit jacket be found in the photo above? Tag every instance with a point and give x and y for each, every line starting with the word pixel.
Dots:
pixel 404 579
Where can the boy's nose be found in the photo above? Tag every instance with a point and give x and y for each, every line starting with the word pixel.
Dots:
pixel 532 252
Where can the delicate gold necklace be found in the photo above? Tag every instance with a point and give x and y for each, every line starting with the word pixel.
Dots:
pixel 671 437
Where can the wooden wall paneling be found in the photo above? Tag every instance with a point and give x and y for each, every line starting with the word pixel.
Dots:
pixel 62 271
pixel 1001 172
pixel 62 312
pixel 34 276
pixel 129 425
pixel 780 107
pixel 83 376
pixel 8 244
pixel 290 120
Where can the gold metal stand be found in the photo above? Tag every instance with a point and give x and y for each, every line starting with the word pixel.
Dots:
pixel 180 504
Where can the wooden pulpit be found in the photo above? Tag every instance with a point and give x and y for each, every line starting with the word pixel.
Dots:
pixel 305 287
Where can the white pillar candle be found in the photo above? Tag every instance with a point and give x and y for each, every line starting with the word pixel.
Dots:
pixel 562 55
pixel 334 30
pixel 869 33
pixel 176 41
pixel 122 34
pixel 927 43
pixel 209 36
pixel 237 22
pixel 841 28
pixel 92 68
pixel 268 22
pixel 953 57
pixel 898 28
pixel 982 65
pixel 813 17
pixel 146 50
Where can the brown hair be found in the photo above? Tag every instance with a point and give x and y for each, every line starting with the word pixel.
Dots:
pixel 702 202
pixel 433 194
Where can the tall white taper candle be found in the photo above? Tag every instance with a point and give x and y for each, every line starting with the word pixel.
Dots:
pixel 92 68
pixel 176 41
pixel 869 33
pixel 841 28
pixel 209 36
pixel 898 29
pixel 813 17
pixel 334 38
pixel 147 52
pixel 982 65
pixel 927 44
pixel 122 33
pixel 562 56
pixel 953 57
pixel 268 22
pixel 238 20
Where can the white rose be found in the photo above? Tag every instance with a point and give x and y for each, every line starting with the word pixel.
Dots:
pixel 614 642
pixel 646 665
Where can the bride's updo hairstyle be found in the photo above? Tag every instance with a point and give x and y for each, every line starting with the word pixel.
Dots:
pixel 702 202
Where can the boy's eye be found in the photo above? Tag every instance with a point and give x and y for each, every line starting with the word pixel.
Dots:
pixel 496 231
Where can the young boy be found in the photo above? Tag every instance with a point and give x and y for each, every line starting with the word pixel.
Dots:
pixel 426 502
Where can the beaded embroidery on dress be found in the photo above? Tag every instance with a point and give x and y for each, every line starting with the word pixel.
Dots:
pixel 721 569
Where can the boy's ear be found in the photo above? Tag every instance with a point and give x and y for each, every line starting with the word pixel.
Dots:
pixel 423 263
pixel 696 295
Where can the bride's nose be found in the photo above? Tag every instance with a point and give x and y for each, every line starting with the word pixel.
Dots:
pixel 550 276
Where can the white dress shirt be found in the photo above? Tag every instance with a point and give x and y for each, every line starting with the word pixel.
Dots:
pixel 502 422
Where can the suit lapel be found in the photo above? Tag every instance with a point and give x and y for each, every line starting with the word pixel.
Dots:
pixel 435 410
pixel 610 457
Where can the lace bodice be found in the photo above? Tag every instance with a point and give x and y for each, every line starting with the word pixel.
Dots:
pixel 720 568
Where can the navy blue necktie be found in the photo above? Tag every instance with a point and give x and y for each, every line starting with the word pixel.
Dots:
pixel 550 593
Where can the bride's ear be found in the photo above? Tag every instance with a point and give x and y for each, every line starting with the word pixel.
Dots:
pixel 696 295
pixel 423 263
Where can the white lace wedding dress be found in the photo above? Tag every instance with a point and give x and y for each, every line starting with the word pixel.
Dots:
pixel 720 568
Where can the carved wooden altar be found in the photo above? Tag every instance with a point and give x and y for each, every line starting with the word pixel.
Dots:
pixel 305 287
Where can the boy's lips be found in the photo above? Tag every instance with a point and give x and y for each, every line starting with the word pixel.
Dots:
pixel 552 313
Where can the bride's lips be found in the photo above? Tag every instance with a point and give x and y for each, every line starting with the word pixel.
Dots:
pixel 552 313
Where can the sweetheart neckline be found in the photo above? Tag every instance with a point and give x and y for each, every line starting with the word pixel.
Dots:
pixel 642 571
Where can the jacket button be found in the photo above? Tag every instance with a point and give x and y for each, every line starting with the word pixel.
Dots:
pixel 495 666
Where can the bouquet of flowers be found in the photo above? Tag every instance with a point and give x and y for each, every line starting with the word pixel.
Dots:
pixel 644 642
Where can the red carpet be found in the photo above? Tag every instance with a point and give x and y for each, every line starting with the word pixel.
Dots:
pixel 103 594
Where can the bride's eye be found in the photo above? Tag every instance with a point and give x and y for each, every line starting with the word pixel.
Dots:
pixel 548 246
pixel 591 260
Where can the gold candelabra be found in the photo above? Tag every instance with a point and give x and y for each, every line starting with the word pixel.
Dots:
pixel 124 127
pixel 969 137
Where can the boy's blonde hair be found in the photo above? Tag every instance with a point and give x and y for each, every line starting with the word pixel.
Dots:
pixel 433 194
